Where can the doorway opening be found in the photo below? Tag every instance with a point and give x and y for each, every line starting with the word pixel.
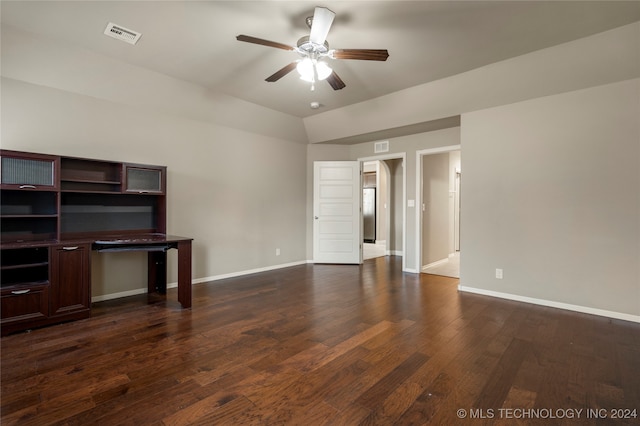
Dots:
pixel 375 211
pixel 383 191
pixel 439 212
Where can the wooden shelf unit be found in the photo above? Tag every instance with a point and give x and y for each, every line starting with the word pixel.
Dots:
pixel 52 208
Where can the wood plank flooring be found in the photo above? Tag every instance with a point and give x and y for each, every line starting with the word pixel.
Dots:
pixel 324 345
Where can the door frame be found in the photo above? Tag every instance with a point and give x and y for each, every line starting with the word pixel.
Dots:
pixel 396 156
pixel 419 177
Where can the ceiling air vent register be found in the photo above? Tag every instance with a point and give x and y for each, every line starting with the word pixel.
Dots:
pixel 381 147
pixel 121 33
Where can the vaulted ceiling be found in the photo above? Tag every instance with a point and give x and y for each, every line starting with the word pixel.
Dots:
pixel 195 41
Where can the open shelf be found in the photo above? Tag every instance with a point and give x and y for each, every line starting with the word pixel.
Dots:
pixel 90 175
pixel 17 203
pixel 29 228
pixel 93 213
pixel 24 266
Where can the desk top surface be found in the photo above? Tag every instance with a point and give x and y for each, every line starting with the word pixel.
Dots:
pixel 104 240
pixel 140 239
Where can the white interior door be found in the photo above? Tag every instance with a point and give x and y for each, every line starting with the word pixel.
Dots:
pixel 337 228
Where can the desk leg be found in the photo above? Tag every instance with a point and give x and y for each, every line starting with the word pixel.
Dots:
pixel 184 273
pixel 157 272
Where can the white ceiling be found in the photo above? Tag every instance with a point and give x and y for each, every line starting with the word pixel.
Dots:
pixel 427 40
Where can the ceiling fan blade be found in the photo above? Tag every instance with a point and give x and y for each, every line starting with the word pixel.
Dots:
pixel 322 20
pixel 281 72
pixel 335 81
pixel 263 42
pixel 361 54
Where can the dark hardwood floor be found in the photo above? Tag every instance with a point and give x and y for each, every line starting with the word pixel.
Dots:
pixel 324 344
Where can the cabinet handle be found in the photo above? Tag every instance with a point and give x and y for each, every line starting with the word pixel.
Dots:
pixel 20 291
pixel 70 248
pixel 27 187
pixel 143 192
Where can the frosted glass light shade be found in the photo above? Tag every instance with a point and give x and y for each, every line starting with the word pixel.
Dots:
pixel 306 69
pixel 323 70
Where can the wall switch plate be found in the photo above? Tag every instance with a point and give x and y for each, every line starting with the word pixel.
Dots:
pixel 499 274
pixel 277 252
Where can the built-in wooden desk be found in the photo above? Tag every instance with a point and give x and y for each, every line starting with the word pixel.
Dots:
pixel 55 210
pixel 156 245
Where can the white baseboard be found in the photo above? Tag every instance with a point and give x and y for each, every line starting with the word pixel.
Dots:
pixel 395 252
pixel 552 304
pixel 241 273
pixel 198 281
pixel 110 296
pixel 436 263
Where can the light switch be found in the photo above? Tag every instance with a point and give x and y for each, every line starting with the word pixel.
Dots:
pixel 411 203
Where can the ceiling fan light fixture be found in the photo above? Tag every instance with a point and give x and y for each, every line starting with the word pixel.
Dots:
pixel 311 70
pixel 323 70
pixel 313 48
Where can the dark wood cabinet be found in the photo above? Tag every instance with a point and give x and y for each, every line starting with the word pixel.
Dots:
pixel 90 176
pixel 28 215
pixel 24 306
pixel 141 179
pixel 49 198
pixel 42 285
pixel 70 276
pixel 28 171
pixel 29 196
pixel 24 287
pixel 52 209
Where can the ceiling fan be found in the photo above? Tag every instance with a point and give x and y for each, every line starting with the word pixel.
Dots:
pixel 313 49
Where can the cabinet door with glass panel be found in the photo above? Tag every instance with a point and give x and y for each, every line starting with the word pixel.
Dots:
pixel 21 170
pixel 141 179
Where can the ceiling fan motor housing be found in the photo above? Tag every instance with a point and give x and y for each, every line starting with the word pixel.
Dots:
pixel 310 47
pixel 313 48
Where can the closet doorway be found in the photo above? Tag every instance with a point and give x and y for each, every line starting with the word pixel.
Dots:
pixel 439 213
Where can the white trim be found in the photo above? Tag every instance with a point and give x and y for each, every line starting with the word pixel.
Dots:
pixel 436 263
pixel 199 280
pixel 119 295
pixel 419 154
pixel 552 304
pixel 403 157
pixel 247 272
pixel 396 253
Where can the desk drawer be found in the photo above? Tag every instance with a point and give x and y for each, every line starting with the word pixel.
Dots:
pixel 23 304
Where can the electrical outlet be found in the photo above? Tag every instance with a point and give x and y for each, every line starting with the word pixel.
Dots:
pixel 499 274
pixel 277 252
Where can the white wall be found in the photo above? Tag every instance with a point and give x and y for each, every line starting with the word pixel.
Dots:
pixel 599 59
pixel 395 203
pixel 382 218
pixel 409 145
pixel 551 195
pixel 69 101
pixel 436 216
pixel 51 63
pixel 236 185
pixel 240 195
